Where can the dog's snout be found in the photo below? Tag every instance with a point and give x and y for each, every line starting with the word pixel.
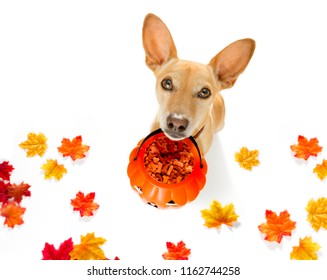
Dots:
pixel 177 124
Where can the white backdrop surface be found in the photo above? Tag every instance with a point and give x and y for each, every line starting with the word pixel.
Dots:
pixel 70 68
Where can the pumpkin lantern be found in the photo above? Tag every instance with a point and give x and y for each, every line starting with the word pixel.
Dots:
pixel 167 173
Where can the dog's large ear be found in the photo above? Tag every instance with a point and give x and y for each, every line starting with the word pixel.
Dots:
pixel 232 61
pixel 157 42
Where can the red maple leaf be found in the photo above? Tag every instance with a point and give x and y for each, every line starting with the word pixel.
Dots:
pixel 3 191
pixel 62 253
pixel 304 149
pixel 84 204
pixel 115 259
pixel 176 252
pixel 18 191
pixel 5 170
pixel 75 149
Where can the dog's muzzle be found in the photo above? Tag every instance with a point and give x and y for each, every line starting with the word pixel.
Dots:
pixel 176 127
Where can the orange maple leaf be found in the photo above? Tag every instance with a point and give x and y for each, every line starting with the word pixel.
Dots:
pixel 13 214
pixel 321 170
pixel 247 159
pixel 304 149
pixel 89 248
pixel 18 191
pixel 36 144
pixel 84 204
pixel 52 169
pixel 306 250
pixel 277 226
pixel 218 215
pixel 75 149
pixel 176 252
pixel 317 213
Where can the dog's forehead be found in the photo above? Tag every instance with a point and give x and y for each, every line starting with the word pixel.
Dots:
pixel 179 69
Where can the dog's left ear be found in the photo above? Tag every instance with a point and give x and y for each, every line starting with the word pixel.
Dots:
pixel 157 42
pixel 232 61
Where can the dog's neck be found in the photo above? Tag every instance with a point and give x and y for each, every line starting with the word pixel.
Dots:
pixel 198 133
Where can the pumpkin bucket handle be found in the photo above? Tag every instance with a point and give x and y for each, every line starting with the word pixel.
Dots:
pixel 159 130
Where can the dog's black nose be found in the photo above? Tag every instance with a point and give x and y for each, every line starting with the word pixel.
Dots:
pixel 177 124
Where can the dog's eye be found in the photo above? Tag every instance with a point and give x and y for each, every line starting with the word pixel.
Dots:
pixel 204 93
pixel 167 84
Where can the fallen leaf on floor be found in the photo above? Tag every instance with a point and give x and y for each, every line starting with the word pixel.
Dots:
pixel 176 252
pixel 277 226
pixel 317 213
pixel 321 170
pixel 5 170
pixel 247 159
pixel 4 192
pixel 13 214
pixel 304 149
pixel 53 170
pixel 307 250
pixel 84 204
pixel 36 144
pixel 16 192
pixel 89 248
pixel 218 215
pixel 62 253
pixel 75 148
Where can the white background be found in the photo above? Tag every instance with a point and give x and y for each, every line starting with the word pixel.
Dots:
pixel 70 68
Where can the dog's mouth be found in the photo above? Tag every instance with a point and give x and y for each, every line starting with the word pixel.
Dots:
pixel 175 136
pixel 176 126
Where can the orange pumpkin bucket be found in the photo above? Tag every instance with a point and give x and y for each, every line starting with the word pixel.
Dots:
pixel 167 173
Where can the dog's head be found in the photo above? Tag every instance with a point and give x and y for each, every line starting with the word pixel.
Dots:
pixel 186 90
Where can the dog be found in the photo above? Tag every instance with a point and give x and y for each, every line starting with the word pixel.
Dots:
pixel 188 93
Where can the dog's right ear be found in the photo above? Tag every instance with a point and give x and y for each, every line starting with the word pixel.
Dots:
pixel 157 42
pixel 232 61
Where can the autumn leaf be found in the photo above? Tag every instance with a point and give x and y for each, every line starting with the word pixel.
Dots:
pixel 247 159
pixel 176 252
pixel 84 204
pixel 317 213
pixel 4 191
pixel 18 191
pixel 36 144
pixel 53 170
pixel 218 215
pixel 89 248
pixel 12 213
pixel 62 253
pixel 75 149
pixel 277 226
pixel 5 170
pixel 306 250
pixel 321 170
pixel 304 149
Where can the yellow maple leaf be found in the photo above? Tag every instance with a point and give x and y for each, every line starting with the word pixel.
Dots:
pixel 317 213
pixel 35 144
pixel 218 215
pixel 247 159
pixel 321 170
pixel 88 249
pixel 306 250
pixel 53 169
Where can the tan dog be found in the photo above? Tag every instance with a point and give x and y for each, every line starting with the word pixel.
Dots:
pixel 190 103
